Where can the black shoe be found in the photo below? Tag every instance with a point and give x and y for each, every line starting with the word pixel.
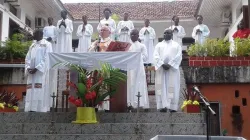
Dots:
pixel 107 110
pixel 146 110
pixel 172 111
pixel 163 110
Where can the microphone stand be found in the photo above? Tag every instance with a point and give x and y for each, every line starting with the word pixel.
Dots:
pixel 208 109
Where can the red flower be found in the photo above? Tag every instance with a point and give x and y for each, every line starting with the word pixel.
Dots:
pixel 71 99
pixel 88 96
pixel 78 102
pixel 89 82
pixel 93 93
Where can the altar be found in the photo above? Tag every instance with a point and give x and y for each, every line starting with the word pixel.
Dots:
pixel 126 61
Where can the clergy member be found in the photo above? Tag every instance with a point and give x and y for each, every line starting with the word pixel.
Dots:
pixel 167 59
pixel 65 29
pixel 201 31
pixel 124 28
pixel 102 44
pixel 178 31
pixel 242 32
pixel 84 33
pixel 132 99
pixel 107 21
pixel 50 33
pixel 147 36
pixel 35 69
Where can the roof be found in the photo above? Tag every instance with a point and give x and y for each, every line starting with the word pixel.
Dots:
pixel 137 11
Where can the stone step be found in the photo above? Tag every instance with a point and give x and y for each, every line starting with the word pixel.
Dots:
pixel 75 137
pixel 149 117
pixel 107 128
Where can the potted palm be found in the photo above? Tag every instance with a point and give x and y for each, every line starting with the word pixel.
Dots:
pixel 8 102
pixel 92 89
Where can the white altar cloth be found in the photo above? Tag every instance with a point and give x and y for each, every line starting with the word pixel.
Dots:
pixel 123 60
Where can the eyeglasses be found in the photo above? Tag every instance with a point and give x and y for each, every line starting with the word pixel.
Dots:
pixel 104 30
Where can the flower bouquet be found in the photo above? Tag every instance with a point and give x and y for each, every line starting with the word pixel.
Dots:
pixel 190 104
pixel 93 88
pixel 8 102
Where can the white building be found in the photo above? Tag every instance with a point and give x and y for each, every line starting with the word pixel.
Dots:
pixel 26 14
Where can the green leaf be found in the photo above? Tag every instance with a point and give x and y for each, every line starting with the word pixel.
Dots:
pixel 82 89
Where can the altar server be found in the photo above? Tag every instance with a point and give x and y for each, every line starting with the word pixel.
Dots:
pixel 167 59
pixel 35 69
pixel 84 33
pixel 147 36
pixel 132 99
pixel 124 28
pixel 178 31
pixel 50 33
pixel 65 29
pixel 201 31
pixel 107 21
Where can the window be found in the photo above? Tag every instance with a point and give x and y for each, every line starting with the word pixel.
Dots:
pixel 13 10
pixel 28 22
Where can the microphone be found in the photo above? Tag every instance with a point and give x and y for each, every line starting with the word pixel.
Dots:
pixel 195 88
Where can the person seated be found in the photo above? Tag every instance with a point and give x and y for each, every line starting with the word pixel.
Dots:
pixel 242 32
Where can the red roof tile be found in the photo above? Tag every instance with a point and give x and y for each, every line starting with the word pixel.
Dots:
pixel 137 11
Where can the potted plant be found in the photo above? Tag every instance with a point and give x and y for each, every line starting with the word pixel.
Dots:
pixel 92 89
pixel 8 102
pixel 14 50
pixel 190 104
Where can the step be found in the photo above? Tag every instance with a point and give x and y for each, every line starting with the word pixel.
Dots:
pixel 106 128
pixel 149 117
pixel 75 137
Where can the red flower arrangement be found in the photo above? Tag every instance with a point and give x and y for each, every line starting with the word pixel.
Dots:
pixel 94 86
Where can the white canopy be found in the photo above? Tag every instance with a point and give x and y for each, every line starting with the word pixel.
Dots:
pixel 123 60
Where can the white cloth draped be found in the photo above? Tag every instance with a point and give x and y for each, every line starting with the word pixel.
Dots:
pixel 167 82
pixel 131 99
pixel 124 36
pixel 123 60
pixel 84 37
pixel 147 36
pixel 111 23
pixel 64 39
pixel 178 36
pixel 201 37
pixel 36 97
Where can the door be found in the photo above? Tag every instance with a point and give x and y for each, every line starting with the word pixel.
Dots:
pixel 1 17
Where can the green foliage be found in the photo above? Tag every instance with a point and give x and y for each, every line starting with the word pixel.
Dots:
pixel 242 47
pixel 212 47
pixel 103 82
pixel 15 47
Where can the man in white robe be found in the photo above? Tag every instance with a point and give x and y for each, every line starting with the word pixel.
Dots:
pixel 124 28
pixel 200 32
pixel 84 33
pixel 35 69
pixel 65 29
pixel 178 31
pixel 132 99
pixel 50 33
pixel 107 21
pixel 167 59
pixel 147 36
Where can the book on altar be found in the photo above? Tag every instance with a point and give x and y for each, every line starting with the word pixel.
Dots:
pixel 118 46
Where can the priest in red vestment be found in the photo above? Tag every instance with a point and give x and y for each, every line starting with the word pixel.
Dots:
pixel 242 32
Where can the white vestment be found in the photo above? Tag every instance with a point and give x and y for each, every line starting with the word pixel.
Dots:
pixel 84 37
pixel 50 31
pixel 124 36
pixel 178 36
pixel 111 23
pixel 147 36
pixel 36 98
pixel 167 82
pixel 64 40
pixel 200 37
pixel 132 99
